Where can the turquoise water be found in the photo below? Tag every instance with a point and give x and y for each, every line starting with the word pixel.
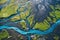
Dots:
pixel 32 31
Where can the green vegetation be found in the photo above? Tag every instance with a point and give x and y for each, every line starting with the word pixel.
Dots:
pixel 8 10
pixel 2 1
pixel 45 25
pixel 42 26
pixel 3 34
pixel 11 9
pixel 30 19
pixel 57 11
pixel 23 25
pixel 56 37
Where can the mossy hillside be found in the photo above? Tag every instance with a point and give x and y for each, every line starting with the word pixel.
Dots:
pixel 4 34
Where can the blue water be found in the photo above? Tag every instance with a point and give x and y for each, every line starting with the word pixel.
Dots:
pixel 32 31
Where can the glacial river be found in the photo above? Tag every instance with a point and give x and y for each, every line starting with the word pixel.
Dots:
pixel 32 31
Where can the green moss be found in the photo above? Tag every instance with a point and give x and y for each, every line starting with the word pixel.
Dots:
pixel 4 34
pixel 57 13
pixel 42 26
pixel 2 1
pixel 57 7
pixel 8 10
pixel 56 37
pixel 30 19
pixel 23 25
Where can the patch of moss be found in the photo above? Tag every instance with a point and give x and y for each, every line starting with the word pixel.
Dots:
pixel 2 1
pixel 42 25
pixel 4 34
